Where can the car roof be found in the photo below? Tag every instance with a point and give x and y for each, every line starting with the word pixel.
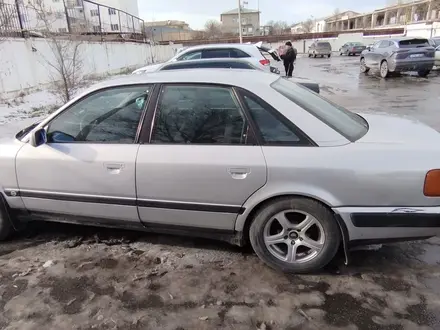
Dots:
pixel 208 46
pixel 206 60
pixel 404 38
pixel 241 78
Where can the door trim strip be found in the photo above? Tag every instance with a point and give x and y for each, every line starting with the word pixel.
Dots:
pixel 126 201
pixel 217 208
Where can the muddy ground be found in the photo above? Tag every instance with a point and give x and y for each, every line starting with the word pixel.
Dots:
pixel 67 277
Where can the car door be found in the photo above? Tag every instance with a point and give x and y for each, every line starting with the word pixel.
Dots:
pixel 381 51
pixel 87 167
pixel 370 55
pixel 198 162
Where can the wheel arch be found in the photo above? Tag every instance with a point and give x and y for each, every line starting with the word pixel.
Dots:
pixel 244 228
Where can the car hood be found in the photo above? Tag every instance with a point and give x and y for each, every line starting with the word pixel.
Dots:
pixel 148 68
pixel 396 130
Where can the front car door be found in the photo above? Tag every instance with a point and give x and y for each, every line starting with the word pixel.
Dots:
pixel 87 167
pixel 199 162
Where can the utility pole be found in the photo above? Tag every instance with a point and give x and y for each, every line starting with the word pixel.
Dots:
pixel 240 32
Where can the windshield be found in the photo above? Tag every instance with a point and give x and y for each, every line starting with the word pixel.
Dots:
pixel 436 42
pixel 346 123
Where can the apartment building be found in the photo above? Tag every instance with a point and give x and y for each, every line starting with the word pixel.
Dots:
pixel 118 16
pixel 388 17
pixel 250 21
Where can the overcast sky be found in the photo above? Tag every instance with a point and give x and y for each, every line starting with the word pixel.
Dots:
pixel 197 12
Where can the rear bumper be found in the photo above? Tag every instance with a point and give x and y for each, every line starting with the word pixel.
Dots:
pixel 390 223
pixel 320 52
pixel 411 65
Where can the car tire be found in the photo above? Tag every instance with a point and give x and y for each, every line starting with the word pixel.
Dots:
pixel 314 55
pixel 423 73
pixel 310 55
pixel 383 70
pixel 314 232
pixel 329 55
pixel 5 221
pixel 363 66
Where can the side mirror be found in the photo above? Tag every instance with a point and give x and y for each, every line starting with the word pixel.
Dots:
pixel 368 48
pixel 38 137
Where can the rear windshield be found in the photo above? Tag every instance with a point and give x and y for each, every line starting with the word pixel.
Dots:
pixel 357 44
pixel 346 123
pixel 411 43
pixel 323 44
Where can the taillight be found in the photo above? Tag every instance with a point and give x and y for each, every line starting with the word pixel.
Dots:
pixel 265 62
pixel 432 184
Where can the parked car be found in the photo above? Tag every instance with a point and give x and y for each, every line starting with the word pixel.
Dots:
pixel 253 53
pixel 232 156
pixel 352 48
pixel 435 42
pixel 230 63
pixel 399 55
pixel 320 48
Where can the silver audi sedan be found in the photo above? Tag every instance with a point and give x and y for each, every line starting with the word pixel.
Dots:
pixel 242 157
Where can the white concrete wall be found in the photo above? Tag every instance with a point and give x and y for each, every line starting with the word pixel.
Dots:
pixel 23 63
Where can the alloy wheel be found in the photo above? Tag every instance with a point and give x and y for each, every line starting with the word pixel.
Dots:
pixel 384 69
pixel 294 236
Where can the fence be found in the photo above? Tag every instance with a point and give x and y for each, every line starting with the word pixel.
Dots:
pixel 82 17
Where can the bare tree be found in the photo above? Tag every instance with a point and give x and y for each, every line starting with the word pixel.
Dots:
pixel 308 25
pixel 66 63
pixel 279 27
pixel 213 29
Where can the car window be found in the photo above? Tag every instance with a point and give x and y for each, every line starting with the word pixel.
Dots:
pixel 384 44
pixel 195 55
pixel 346 123
pixel 237 53
pixel 199 115
pixel 272 130
pixel 216 53
pixel 436 42
pixel 110 116
pixel 412 43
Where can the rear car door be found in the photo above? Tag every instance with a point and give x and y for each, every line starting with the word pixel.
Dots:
pixel 198 161
pixel 87 167
pixel 370 55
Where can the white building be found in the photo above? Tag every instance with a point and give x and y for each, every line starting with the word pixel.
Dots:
pixel 84 16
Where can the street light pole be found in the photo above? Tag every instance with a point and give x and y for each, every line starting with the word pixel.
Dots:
pixel 239 22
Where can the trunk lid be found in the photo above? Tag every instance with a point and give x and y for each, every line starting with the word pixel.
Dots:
pixel 396 130
pixel 414 48
pixel 271 51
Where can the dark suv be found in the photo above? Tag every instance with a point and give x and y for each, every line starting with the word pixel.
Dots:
pixel 399 55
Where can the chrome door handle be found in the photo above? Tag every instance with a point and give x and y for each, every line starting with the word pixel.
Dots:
pixel 114 168
pixel 239 173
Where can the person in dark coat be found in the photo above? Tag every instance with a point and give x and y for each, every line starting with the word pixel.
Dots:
pixel 289 58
